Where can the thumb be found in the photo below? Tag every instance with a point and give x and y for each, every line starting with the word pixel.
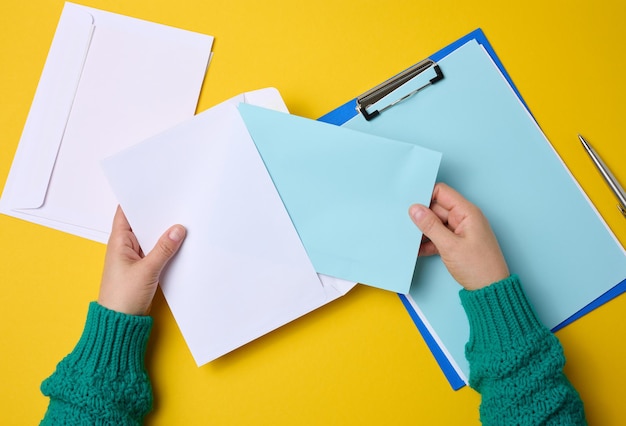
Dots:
pixel 165 249
pixel 430 225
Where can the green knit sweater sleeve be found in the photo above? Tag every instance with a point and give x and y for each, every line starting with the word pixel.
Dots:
pixel 103 380
pixel 516 363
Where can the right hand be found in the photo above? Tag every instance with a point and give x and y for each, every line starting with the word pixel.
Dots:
pixel 459 232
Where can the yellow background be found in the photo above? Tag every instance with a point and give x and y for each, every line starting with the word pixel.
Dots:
pixel 359 360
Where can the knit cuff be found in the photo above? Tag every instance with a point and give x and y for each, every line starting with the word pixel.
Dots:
pixel 499 315
pixel 112 341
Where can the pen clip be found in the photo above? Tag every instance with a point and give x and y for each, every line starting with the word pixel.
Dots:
pixel 377 93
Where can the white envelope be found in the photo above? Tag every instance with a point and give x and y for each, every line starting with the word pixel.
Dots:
pixel 242 271
pixel 109 81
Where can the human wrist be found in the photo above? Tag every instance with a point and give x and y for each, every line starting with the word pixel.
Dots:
pixel 486 280
pixel 488 273
pixel 123 305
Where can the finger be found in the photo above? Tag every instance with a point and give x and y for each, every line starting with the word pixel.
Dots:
pixel 120 223
pixel 121 233
pixel 119 229
pixel 441 212
pixel 165 248
pixel 449 199
pixel 430 225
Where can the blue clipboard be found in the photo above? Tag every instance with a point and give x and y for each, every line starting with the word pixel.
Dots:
pixel 348 111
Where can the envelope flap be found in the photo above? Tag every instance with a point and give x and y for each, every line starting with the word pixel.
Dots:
pixel 267 98
pixel 335 287
pixel 45 126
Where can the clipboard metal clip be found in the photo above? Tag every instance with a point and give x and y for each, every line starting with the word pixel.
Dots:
pixel 377 93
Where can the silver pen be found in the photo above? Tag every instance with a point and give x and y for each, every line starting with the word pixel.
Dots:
pixel 607 175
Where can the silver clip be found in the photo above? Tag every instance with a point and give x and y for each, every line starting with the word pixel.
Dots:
pixel 374 95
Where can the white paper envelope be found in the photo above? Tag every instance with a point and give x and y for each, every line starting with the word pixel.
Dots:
pixel 109 81
pixel 242 271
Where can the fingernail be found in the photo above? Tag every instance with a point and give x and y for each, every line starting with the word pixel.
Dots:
pixel 177 233
pixel 416 211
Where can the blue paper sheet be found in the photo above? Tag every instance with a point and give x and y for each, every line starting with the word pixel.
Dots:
pixel 347 194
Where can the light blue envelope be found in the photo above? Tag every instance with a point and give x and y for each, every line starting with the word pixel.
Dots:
pixel 348 194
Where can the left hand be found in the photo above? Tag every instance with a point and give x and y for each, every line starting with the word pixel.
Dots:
pixel 130 279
